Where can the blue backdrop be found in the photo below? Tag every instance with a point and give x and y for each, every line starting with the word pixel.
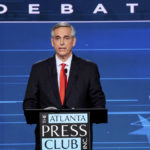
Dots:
pixel 118 42
pixel 122 53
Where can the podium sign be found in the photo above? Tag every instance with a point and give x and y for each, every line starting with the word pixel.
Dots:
pixel 65 131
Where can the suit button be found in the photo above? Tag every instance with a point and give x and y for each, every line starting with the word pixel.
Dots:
pixel 63 107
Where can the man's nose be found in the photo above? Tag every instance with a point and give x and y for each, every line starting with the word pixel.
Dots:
pixel 61 41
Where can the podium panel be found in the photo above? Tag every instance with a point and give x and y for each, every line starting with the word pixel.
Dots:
pixel 65 130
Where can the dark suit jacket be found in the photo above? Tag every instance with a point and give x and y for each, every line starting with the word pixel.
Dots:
pixel 83 89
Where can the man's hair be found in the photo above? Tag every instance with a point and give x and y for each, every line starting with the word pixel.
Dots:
pixel 63 24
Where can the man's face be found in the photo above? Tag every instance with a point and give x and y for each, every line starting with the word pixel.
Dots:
pixel 63 42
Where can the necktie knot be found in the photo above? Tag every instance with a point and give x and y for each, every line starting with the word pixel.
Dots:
pixel 63 65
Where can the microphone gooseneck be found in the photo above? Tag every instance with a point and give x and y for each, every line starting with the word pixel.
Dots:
pixel 66 71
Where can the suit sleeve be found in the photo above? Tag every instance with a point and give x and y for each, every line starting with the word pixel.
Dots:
pixel 96 95
pixel 32 91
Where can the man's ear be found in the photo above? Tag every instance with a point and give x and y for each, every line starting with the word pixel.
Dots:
pixel 74 41
pixel 52 42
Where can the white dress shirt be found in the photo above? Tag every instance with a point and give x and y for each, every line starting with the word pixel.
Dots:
pixel 58 67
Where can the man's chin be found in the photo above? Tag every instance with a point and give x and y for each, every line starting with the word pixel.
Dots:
pixel 63 55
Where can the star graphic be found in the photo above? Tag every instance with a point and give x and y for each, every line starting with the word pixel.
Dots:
pixel 145 124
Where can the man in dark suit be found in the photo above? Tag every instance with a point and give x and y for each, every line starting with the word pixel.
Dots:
pixel 64 80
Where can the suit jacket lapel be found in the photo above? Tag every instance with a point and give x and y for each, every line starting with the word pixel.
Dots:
pixel 53 78
pixel 72 77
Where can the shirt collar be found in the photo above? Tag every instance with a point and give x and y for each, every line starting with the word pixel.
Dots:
pixel 59 62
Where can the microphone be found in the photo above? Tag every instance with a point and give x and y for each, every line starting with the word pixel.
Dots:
pixel 66 70
pixel 66 76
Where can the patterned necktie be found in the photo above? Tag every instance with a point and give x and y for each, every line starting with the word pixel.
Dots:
pixel 63 83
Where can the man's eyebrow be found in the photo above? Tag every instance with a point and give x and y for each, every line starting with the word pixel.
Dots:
pixel 66 36
pixel 63 36
pixel 57 36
